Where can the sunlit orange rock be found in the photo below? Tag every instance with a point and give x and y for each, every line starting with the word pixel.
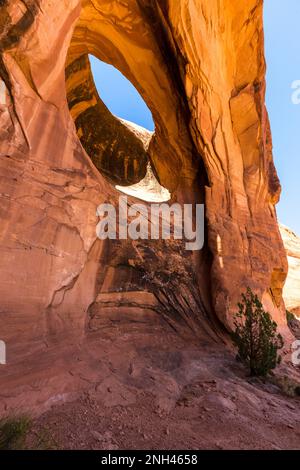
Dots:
pixel 201 70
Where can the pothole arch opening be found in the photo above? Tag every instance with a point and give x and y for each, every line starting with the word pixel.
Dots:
pixel 119 95
pixel 103 104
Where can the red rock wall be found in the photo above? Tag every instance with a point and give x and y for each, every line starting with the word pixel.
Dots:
pixel 200 68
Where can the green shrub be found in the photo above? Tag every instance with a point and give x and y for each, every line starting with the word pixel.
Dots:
pixel 290 316
pixel 17 433
pixel 13 432
pixel 256 336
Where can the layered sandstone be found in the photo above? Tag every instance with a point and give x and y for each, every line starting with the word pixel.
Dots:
pixel 291 292
pixel 200 67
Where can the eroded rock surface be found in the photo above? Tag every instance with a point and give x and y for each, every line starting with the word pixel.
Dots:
pixel 200 68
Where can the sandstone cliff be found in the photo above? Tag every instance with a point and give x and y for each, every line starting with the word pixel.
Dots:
pixel 200 67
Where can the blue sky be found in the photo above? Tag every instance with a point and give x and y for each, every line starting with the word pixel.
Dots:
pixel 282 42
pixel 119 95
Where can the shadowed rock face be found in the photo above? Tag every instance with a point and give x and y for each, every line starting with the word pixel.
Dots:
pixel 200 68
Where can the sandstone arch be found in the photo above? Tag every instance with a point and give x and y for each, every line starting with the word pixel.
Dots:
pixel 200 69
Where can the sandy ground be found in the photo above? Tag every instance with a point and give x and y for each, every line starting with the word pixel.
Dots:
pixel 154 390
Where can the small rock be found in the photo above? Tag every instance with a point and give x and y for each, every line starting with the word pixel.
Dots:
pixel 112 447
pixel 96 435
pixel 291 407
pixel 275 447
pixel 274 405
